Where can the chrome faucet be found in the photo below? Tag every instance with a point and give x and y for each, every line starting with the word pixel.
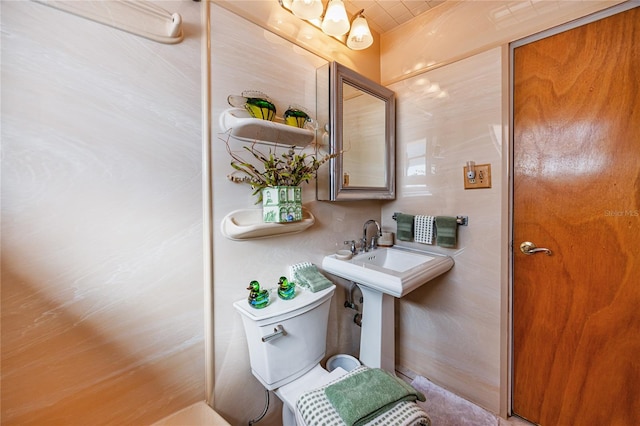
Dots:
pixel 374 239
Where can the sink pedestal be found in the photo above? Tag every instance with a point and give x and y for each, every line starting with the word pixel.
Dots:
pixel 377 337
pixel 383 275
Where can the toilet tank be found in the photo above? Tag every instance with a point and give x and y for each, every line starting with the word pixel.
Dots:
pixel 282 359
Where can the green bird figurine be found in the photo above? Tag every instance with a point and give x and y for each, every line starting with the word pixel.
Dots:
pixel 286 289
pixel 257 298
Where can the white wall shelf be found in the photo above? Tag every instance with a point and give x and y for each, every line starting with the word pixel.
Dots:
pixel 239 124
pixel 247 224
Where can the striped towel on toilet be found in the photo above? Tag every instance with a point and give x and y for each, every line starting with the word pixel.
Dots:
pixel 423 229
pixel 314 405
pixel 307 275
pixel 294 268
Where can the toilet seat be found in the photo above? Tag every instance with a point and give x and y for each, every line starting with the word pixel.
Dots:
pixel 315 378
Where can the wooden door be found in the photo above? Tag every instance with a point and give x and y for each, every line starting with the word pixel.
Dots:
pixel 576 177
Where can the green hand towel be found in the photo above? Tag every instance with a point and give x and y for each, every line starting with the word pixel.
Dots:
pixel 363 396
pixel 311 278
pixel 446 231
pixel 405 227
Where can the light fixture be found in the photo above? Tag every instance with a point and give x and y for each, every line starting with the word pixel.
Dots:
pixel 360 35
pixel 307 9
pixel 335 21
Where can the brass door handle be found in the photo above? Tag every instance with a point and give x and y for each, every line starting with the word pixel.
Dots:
pixel 529 248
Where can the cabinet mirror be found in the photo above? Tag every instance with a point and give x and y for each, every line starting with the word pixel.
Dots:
pixel 362 127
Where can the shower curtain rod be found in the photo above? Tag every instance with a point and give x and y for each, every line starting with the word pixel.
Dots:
pixel 140 17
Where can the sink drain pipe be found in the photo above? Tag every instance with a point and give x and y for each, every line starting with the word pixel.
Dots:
pixel 349 302
pixel 357 318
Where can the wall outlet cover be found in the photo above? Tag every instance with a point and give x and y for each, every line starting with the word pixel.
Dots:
pixel 482 179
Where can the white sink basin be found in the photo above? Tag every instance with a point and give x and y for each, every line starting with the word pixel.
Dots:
pixel 395 271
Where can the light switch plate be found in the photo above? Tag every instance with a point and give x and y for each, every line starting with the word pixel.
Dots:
pixel 483 177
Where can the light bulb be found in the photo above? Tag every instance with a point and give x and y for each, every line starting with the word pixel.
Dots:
pixel 335 22
pixel 360 36
pixel 307 9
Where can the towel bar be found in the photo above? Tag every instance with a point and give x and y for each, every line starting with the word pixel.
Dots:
pixel 460 220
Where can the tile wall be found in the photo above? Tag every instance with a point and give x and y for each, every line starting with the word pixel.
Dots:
pixel 449 329
pixel 102 277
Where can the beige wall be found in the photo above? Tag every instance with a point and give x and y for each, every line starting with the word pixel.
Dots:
pixel 102 276
pixel 449 329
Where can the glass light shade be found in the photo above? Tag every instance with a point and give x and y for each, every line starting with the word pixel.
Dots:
pixel 307 9
pixel 335 22
pixel 360 36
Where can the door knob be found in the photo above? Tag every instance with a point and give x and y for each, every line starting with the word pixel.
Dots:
pixel 529 248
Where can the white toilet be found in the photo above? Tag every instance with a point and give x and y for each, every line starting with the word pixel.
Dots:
pixel 287 341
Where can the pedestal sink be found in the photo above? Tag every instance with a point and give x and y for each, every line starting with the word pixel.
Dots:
pixel 382 275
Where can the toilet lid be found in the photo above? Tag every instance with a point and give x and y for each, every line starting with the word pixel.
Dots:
pixel 280 310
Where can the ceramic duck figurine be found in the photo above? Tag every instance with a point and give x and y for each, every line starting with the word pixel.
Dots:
pixel 257 298
pixel 286 289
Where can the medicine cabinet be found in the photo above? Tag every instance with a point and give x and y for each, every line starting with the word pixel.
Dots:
pixel 361 125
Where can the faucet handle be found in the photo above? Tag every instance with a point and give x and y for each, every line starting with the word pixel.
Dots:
pixel 374 242
pixel 363 245
pixel 353 248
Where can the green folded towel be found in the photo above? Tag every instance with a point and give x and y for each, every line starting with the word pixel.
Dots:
pixel 446 231
pixel 363 396
pixel 308 276
pixel 405 227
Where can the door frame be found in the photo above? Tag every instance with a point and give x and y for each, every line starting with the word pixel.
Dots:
pixel 613 10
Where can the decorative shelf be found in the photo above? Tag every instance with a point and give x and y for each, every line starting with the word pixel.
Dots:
pixel 247 224
pixel 240 125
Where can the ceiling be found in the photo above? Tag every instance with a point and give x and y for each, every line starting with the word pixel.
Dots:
pixel 384 15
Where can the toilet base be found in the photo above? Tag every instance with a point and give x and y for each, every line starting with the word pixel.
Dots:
pixel 290 392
